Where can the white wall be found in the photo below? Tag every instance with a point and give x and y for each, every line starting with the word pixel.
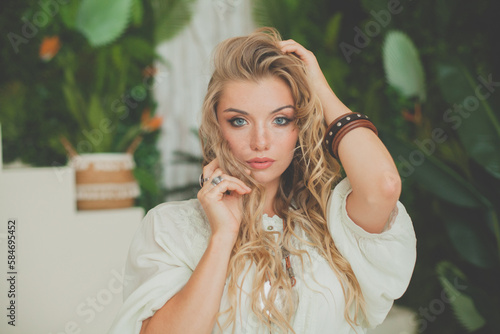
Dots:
pixel 68 264
pixel 181 88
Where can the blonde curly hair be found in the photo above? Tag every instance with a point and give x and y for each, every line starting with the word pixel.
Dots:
pixel 302 195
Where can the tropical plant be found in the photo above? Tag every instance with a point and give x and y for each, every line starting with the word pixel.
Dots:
pixel 88 72
pixel 467 192
pixel 447 32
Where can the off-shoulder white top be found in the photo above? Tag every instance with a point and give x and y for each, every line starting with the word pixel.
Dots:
pixel 173 237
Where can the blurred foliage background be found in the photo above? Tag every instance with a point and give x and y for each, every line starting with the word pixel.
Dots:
pixel 415 68
pixel 426 72
pixel 85 70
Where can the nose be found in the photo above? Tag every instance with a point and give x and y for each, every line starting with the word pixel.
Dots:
pixel 260 139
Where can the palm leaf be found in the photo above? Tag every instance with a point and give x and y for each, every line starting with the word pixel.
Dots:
pixel 433 175
pixel 463 306
pixel 478 129
pixel 468 231
pixel 402 65
pixel 333 28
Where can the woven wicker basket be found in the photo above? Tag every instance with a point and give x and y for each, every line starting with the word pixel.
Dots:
pixel 104 180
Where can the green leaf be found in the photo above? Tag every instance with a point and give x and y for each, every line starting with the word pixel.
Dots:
pixel 69 13
pixel 128 137
pixel 95 113
pixel 73 102
pixel 138 49
pixel 146 180
pixel 402 65
pixel 451 278
pixel 137 12
pixel 430 173
pixel 468 233
pixel 100 140
pixel 170 17
pixel 12 100
pixel 478 129
pixel 332 30
pixel 102 22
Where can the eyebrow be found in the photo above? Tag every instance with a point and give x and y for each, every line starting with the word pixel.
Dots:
pixel 246 113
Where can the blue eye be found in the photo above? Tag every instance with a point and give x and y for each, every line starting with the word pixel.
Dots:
pixel 281 121
pixel 237 122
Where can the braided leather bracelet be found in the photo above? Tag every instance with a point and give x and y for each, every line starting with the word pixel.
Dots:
pixel 341 126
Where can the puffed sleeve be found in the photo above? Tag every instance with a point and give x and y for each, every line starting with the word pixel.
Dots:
pixel 383 263
pixel 156 269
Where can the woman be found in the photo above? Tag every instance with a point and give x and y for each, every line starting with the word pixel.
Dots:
pixel 268 246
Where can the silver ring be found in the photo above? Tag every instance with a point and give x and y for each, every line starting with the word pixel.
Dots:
pixel 216 180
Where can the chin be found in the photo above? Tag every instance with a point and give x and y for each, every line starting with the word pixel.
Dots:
pixel 263 181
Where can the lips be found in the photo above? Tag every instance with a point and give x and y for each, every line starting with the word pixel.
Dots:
pixel 260 163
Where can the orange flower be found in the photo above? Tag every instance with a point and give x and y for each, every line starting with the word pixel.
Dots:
pixel 149 124
pixel 49 48
pixel 149 71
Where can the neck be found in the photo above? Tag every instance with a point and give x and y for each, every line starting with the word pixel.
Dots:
pixel 271 191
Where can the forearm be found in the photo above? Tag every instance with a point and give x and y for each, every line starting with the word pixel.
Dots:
pixel 193 309
pixel 365 159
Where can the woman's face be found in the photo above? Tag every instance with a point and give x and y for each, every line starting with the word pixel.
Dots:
pixel 257 120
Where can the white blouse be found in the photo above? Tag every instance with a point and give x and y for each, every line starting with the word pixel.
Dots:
pixel 173 237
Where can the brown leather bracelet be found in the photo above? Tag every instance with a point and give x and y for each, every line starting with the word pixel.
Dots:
pixel 340 126
pixel 347 128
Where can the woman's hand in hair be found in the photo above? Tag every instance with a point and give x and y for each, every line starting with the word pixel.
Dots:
pixel 222 202
pixel 316 76
pixel 332 106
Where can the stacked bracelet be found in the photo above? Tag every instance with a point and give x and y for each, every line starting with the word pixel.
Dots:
pixel 342 125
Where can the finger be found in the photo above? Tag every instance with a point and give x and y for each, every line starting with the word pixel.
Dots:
pixel 213 174
pixel 287 41
pixel 218 173
pixel 290 43
pixel 227 185
pixel 292 46
pixel 210 168
pixel 295 48
pixel 235 180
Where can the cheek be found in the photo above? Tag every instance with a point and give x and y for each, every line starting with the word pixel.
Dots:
pixel 289 143
pixel 292 139
pixel 234 140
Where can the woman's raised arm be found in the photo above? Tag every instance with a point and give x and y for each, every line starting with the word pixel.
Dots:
pixel 368 164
